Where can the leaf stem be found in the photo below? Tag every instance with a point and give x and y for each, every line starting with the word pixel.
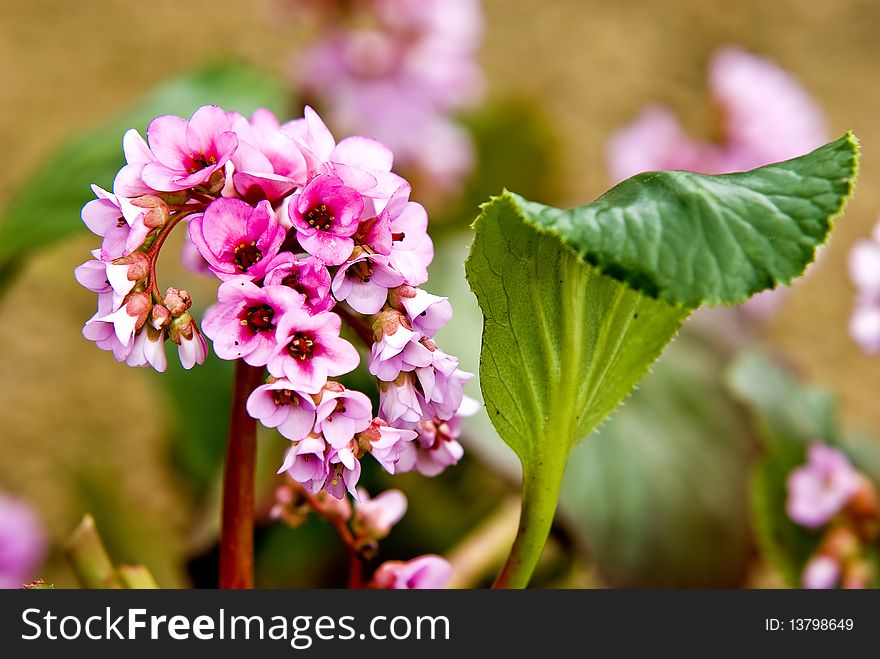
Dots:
pixel 540 493
pixel 237 530
pixel 89 558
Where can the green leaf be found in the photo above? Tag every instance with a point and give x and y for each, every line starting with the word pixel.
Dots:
pixel 47 208
pixel 577 304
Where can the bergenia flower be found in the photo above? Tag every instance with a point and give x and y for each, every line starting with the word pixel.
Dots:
pixel 389 445
pixel 424 572
pixel 309 349
pixel 427 313
pixel 305 463
pixel 243 322
pixel 341 414
pixel 412 249
pixel 325 215
pixel 819 489
pixel 276 405
pixel 188 153
pixel 364 281
pixel 864 269
pixel 237 239
pixel 307 276
pixel 374 517
pixel 22 542
pixel 345 472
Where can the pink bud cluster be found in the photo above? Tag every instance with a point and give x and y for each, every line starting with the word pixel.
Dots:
pixel 829 495
pixel 864 268
pixel 302 232
pixel 396 70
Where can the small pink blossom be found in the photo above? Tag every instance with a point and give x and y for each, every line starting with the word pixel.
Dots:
pixel 442 385
pixel 22 542
pixel 148 349
pixel 192 349
pixel 374 518
pixel 93 275
pixel 104 217
pixel 398 352
pixel 399 400
pixel 341 414
pixel 305 463
pixel 345 472
pixel 424 572
pixel 102 332
pixel 237 239
pixel 277 405
pixel 307 276
pixel 188 153
pixel 364 281
pixel 309 349
pixel 819 489
pixel 268 162
pixel 412 249
pixel 387 445
pixel 129 317
pixel 325 215
pixel 821 572
pixel 427 313
pixel 243 322
pixel 191 259
pixel 864 269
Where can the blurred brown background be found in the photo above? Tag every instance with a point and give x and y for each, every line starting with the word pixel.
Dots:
pixel 592 64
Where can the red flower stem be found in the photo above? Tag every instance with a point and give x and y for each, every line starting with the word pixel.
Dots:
pixel 237 530
pixel 153 252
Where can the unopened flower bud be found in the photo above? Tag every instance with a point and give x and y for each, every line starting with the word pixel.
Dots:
pixel 386 323
pixel 215 184
pixel 177 301
pixel 397 295
pixel 159 317
pixel 138 265
pixel 138 305
pixel 175 198
pixel 156 210
pixel 181 328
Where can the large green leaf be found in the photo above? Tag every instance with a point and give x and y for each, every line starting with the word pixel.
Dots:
pixel 47 208
pixel 577 304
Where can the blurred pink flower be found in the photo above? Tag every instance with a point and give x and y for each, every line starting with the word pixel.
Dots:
pixel 818 490
pixel 22 542
pixel 821 572
pixel 424 572
pixel 374 518
pixel 864 269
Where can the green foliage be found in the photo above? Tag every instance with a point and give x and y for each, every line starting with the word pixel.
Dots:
pixel 46 209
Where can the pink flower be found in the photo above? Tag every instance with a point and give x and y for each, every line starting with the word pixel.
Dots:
pixel 309 350
pixel 22 542
pixel 188 153
pixel 821 572
pixel 268 162
pixel 325 215
pixel 103 216
pixel 412 250
pixel 193 349
pixel 755 98
pixel 243 322
pixel 341 414
pixel 345 472
pixel 427 313
pixel 442 385
pixel 387 444
pixel 399 400
pixel 307 276
pixel 305 463
pixel 397 352
pixel 819 489
pixel 191 259
pixel 128 318
pixel 364 281
pixel 374 518
pixel 864 269
pixel 424 572
pixel 102 332
pixel 148 349
pixel 93 275
pixel 864 326
pixel 237 239
pixel 277 405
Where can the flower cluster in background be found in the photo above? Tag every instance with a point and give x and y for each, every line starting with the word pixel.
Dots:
pixel 361 527
pixel 396 70
pixel 864 267
pixel 22 542
pixel 828 495
pixel 302 232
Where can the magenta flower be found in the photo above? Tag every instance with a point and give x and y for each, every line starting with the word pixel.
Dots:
pixel 364 281
pixel 374 518
pixel 309 350
pixel 307 276
pixel 188 153
pixel 305 463
pixel 424 572
pixel 821 572
pixel 341 414
pixel 818 490
pixel 325 215
pixel 268 163
pixel 237 239
pixel 22 542
pixel 243 322
pixel 277 405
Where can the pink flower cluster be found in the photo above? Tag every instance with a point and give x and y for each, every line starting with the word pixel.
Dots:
pixel 829 494
pixel 302 231
pixel 864 268
pixel 765 116
pixel 397 74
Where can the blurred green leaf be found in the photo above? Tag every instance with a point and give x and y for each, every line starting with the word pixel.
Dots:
pixel 46 209
pixel 659 495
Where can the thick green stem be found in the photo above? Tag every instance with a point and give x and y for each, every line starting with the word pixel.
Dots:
pixel 237 531
pixel 89 559
pixel 137 577
pixel 540 492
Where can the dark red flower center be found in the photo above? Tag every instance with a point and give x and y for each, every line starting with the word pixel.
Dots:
pixel 245 255
pixel 292 281
pixel 200 161
pixel 259 318
pixel 301 346
pixel 319 217
pixel 284 397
